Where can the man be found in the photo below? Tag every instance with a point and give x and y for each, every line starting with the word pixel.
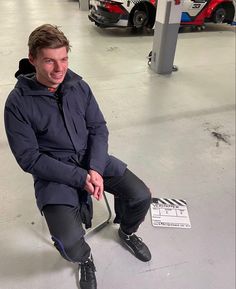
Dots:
pixel 57 133
pixel 234 20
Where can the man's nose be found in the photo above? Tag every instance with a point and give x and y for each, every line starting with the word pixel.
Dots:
pixel 57 66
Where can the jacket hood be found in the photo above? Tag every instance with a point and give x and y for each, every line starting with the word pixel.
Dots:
pixel 25 67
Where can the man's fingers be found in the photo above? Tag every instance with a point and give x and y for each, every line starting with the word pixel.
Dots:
pixel 88 185
pixel 101 191
pixel 94 185
pixel 96 193
pixel 100 195
pixel 95 182
pixel 89 188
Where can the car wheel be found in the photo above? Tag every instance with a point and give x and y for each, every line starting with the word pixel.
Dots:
pixel 140 18
pixel 219 15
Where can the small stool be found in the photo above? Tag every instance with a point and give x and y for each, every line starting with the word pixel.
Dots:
pixel 103 223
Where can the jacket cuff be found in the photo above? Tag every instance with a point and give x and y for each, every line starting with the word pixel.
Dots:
pixel 97 169
pixel 81 178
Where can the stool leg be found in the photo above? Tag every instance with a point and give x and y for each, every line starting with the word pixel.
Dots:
pixel 103 223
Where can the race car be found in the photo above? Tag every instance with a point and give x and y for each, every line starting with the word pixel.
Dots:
pixel 142 13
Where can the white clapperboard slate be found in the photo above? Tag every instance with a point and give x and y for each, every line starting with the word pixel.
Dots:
pixel 169 213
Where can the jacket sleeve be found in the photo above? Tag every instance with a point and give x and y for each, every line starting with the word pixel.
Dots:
pixel 24 146
pixel 98 135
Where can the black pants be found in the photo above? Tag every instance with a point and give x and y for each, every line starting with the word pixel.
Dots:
pixel 65 225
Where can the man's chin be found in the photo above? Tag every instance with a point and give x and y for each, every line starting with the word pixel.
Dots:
pixel 57 81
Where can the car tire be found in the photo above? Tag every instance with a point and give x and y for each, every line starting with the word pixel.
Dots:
pixel 140 18
pixel 219 15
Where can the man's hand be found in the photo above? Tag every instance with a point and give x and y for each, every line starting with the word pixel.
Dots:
pixel 88 185
pixel 97 181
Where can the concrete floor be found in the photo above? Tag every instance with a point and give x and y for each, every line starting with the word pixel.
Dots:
pixel 161 126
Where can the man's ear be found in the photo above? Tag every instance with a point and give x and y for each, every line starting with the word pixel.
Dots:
pixel 31 59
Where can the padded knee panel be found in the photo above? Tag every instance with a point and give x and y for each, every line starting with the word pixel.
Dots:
pixel 60 247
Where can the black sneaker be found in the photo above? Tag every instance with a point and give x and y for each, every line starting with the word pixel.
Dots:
pixel 87 275
pixel 136 245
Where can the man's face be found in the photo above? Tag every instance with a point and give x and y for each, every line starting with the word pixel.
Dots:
pixel 51 65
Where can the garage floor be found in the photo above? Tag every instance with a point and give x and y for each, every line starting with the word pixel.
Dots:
pixel 164 127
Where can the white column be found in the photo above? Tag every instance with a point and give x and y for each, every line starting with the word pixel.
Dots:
pixel 84 5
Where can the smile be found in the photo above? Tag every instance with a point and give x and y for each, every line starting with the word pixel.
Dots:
pixel 57 76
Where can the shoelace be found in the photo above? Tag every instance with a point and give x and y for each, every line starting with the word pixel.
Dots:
pixel 137 241
pixel 87 269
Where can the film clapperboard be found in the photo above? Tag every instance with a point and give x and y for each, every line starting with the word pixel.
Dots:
pixel 170 213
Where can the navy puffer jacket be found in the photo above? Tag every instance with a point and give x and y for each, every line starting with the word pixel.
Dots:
pixel 56 146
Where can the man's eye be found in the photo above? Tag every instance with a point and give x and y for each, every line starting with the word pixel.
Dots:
pixel 48 61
